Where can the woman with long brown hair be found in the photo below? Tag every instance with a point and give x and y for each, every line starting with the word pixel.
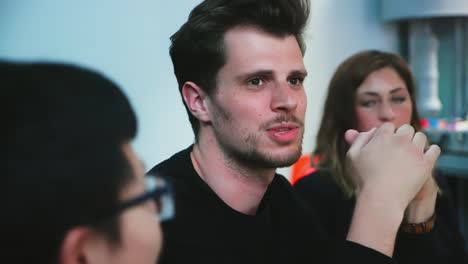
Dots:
pixel 368 89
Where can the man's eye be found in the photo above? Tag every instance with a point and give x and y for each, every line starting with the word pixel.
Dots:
pixel 296 81
pixel 255 81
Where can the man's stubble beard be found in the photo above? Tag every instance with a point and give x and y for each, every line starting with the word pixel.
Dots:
pixel 249 154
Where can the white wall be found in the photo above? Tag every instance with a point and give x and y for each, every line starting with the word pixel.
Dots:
pixel 129 40
pixel 337 29
pixel 126 40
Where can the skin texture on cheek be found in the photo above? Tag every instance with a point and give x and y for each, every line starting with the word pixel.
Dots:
pixel 141 236
pixel 382 97
pixel 243 135
pixel 367 119
pixel 254 95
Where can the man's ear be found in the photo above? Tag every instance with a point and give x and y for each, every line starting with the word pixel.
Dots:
pixel 196 100
pixel 77 246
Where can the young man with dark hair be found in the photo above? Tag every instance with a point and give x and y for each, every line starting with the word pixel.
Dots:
pixel 239 65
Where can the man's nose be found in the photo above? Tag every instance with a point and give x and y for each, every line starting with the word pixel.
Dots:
pixel 284 98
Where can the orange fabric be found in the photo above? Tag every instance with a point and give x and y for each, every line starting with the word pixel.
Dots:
pixel 301 168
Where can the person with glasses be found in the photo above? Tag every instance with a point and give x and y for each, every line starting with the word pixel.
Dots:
pixel 74 190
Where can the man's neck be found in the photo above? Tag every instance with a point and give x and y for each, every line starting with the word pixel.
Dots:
pixel 240 187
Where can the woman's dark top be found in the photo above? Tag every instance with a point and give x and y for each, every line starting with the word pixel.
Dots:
pixel 444 244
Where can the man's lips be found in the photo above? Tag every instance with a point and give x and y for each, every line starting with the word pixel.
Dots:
pixel 283 127
pixel 283 133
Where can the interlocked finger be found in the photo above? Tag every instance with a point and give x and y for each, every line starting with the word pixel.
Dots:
pixel 360 140
pixel 420 140
pixel 406 132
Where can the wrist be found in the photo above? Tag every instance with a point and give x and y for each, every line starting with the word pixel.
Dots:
pixel 421 210
pixel 383 208
pixel 375 222
pixel 419 228
pixel 382 200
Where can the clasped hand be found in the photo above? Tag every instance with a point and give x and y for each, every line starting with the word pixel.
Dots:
pixel 393 166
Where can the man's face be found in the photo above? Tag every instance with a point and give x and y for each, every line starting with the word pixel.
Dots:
pixel 259 105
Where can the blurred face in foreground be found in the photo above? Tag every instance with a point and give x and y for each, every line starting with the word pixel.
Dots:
pixel 140 231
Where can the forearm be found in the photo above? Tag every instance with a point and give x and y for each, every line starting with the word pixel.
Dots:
pixel 375 222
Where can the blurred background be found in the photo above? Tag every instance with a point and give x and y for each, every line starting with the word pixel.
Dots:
pixel 128 41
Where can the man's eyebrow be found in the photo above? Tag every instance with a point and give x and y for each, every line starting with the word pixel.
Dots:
pixel 269 73
pixel 302 73
pixel 246 75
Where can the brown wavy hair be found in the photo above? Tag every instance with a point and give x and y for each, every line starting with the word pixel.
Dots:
pixel 339 110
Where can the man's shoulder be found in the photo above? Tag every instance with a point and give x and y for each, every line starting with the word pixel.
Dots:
pixel 281 180
pixel 284 194
pixel 282 186
pixel 175 165
pixel 319 183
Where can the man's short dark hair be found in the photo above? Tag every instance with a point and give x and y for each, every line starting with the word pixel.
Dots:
pixel 197 49
pixel 65 127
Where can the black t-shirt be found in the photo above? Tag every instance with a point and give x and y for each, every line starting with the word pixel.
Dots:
pixel 334 211
pixel 206 230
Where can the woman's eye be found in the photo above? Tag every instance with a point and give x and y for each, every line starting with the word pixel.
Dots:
pixel 399 99
pixel 369 103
